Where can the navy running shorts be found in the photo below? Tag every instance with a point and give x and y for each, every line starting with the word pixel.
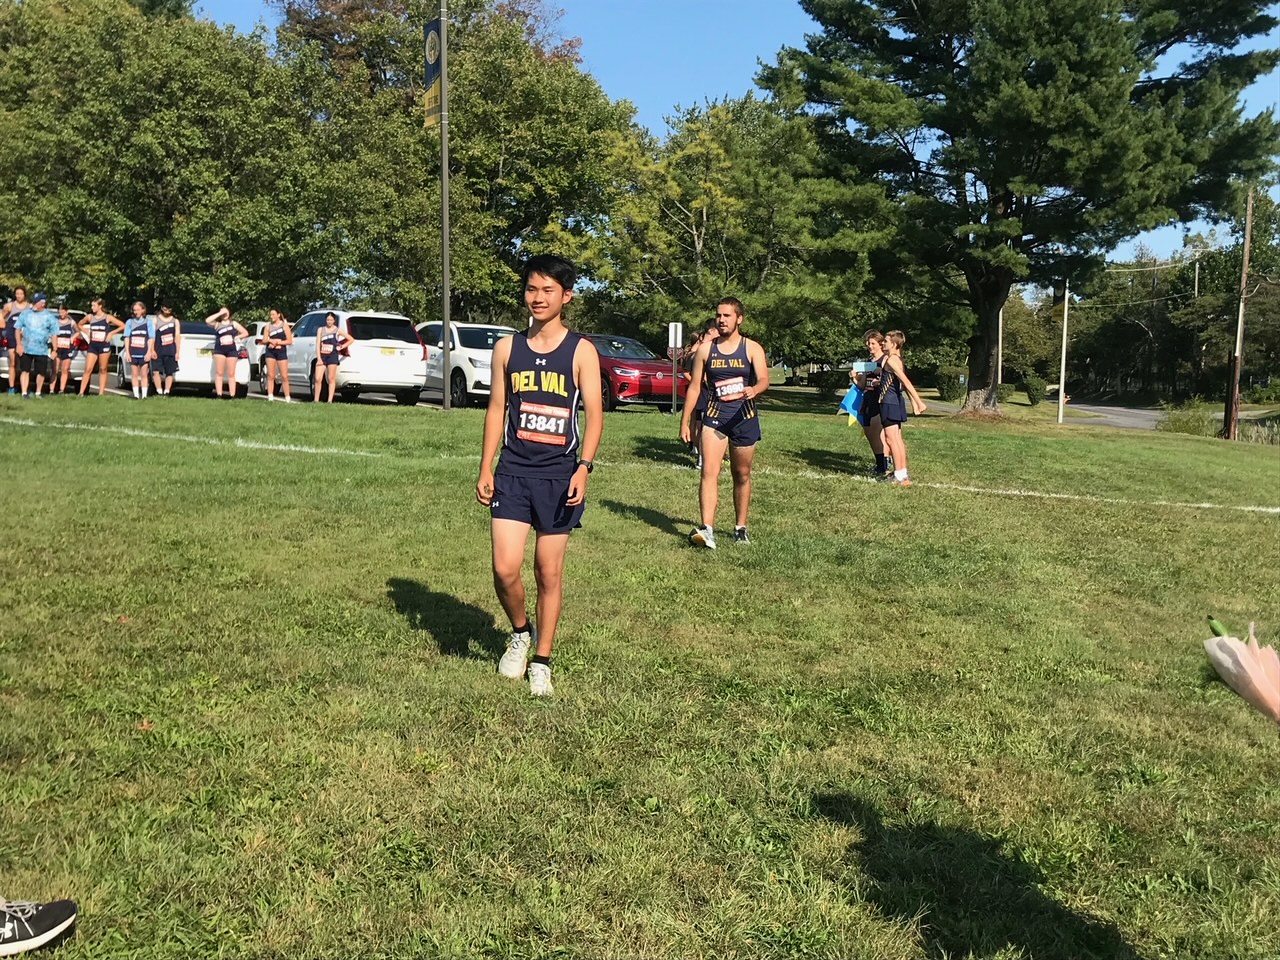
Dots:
pixel 138 359
pixel 537 501
pixel 742 428
pixel 165 365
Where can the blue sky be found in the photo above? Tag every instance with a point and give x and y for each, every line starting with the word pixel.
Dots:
pixel 662 53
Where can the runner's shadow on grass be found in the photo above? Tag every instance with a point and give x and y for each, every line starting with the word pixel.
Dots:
pixel 972 896
pixel 662 450
pixel 453 625
pixel 659 521
pixel 832 461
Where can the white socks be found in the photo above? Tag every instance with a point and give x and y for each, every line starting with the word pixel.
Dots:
pixel 899 474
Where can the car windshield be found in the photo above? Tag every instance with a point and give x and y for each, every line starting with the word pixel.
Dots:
pixel 623 348
pixel 196 329
pixel 381 328
pixel 482 338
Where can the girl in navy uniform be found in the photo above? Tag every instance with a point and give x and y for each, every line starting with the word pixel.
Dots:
pixel 226 350
pixel 277 338
pixel 97 329
pixel 164 352
pixel 63 350
pixel 893 408
pixel 330 342
pixel 12 309
pixel 870 411
pixel 540 379
pixel 732 371
pixel 139 337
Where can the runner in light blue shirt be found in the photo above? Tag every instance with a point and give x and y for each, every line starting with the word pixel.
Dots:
pixel 35 329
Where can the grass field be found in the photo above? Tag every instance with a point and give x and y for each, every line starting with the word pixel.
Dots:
pixel 250 707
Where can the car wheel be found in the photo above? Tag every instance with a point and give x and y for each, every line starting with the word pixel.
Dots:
pixel 348 395
pixel 664 408
pixel 408 398
pixel 261 378
pixel 121 382
pixel 606 394
pixel 458 389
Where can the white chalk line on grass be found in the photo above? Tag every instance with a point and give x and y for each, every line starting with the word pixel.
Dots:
pixel 241 443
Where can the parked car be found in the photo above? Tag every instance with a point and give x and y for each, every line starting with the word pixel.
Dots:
pixel 253 343
pixel 632 373
pixel 470 357
pixel 385 355
pixel 195 359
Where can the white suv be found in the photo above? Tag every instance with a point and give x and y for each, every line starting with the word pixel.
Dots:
pixel 385 355
pixel 470 356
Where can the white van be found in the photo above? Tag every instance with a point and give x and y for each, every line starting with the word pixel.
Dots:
pixel 385 356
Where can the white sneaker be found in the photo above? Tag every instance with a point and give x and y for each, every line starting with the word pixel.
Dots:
pixel 540 680
pixel 703 537
pixel 512 662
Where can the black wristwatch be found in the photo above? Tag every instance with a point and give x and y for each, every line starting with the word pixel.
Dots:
pixel 589 464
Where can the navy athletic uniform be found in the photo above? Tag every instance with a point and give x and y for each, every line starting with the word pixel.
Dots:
pixel 277 353
pixel 541 440
pixel 871 395
pixel 167 348
pixel 136 339
pixel 224 340
pixel 62 340
pixel 726 378
pixel 329 344
pixel 100 335
pixel 893 410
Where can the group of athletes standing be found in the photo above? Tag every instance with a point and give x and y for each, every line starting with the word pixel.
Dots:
pixel 41 344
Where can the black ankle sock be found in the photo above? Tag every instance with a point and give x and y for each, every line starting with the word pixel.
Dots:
pixel 881 462
pixel 539 658
pixel 523 629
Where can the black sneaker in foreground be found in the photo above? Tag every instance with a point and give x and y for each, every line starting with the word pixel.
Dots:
pixel 740 535
pixel 27 926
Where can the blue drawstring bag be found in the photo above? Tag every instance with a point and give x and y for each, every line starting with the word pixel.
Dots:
pixel 852 404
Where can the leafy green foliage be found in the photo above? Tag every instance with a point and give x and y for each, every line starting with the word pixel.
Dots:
pixel 950 382
pixel 1021 140
pixel 1034 388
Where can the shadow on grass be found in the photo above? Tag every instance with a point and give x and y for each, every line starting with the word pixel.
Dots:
pixel 662 450
pixel 659 521
pixel 973 898
pixel 452 624
pixel 834 461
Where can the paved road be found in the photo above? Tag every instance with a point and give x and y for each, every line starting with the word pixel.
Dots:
pixel 1133 418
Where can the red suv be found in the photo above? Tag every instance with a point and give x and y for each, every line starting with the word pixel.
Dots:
pixel 632 373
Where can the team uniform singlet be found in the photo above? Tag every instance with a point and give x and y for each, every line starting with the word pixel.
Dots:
pixel 167 339
pixel 139 334
pixel 726 377
pixel 99 335
pixel 66 334
pixel 542 436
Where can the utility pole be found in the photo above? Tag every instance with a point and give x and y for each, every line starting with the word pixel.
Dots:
pixel 1231 413
pixel 1062 369
pixel 446 369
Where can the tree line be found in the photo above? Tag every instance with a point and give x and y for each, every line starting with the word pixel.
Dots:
pixel 909 167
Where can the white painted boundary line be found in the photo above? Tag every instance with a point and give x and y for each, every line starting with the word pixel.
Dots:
pixel 241 443
pixel 187 438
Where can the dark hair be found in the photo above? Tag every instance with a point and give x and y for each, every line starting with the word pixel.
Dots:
pixel 331 314
pixel 19 287
pixel 731 302
pixel 711 325
pixel 875 335
pixel 166 311
pixel 549 265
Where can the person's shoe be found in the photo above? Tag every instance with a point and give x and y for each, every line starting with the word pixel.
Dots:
pixel 540 680
pixel 27 926
pixel 26 396
pixel 512 663
pixel 703 537
pixel 904 482
pixel 740 535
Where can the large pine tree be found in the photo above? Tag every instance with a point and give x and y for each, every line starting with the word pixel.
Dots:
pixel 1022 139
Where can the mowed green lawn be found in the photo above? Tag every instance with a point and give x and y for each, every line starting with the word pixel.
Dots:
pixel 250 709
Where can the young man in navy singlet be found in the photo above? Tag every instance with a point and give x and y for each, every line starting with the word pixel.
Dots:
pixel 732 371
pixel 539 379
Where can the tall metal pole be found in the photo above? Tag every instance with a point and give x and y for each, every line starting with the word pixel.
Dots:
pixel 1231 414
pixel 1062 368
pixel 447 367
pixel 1000 347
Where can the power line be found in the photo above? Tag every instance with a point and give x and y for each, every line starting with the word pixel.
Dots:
pixel 1131 303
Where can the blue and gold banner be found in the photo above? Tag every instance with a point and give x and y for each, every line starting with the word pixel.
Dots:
pixel 432 59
